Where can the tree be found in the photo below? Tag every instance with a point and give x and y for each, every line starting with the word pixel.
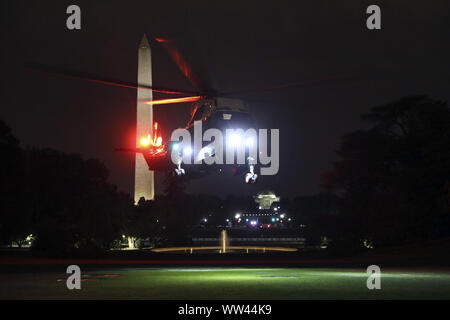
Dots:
pixel 392 177
pixel 15 218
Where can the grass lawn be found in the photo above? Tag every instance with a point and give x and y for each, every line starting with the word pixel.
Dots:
pixel 226 283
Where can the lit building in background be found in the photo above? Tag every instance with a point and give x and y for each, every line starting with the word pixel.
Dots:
pixel 265 199
pixel 267 214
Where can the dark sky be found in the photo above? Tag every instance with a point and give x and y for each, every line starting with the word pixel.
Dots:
pixel 234 45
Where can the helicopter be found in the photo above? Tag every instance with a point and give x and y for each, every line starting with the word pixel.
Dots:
pixel 214 113
pixel 219 110
pixel 214 109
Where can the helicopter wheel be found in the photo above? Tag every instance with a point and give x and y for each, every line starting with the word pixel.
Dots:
pixel 180 171
pixel 251 178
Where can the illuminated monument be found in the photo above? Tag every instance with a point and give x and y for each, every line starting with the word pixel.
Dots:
pixel 144 178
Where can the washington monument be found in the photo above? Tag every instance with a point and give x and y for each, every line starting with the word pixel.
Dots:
pixel 144 178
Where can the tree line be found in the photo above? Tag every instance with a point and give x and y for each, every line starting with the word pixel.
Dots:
pixel 392 181
pixel 391 185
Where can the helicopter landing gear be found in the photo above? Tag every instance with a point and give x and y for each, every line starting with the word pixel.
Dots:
pixel 251 176
pixel 179 170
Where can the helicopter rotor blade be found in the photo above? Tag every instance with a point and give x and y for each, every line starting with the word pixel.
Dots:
pixel 174 100
pixel 50 70
pixel 181 63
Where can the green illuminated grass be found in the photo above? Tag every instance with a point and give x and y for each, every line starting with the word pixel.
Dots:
pixel 229 283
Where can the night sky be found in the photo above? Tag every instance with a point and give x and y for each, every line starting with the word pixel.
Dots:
pixel 233 45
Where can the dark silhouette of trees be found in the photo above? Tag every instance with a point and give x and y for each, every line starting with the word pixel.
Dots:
pixel 393 178
pixel 317 214
pixel 391 185
pixel 72 204
pixel 15 218
pixel 63 200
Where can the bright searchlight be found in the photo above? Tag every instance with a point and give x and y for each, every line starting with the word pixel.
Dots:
pixel 234 140
pixel 187 151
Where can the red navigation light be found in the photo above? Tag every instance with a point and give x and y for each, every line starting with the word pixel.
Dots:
pixel 157 139
pixel 147 141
